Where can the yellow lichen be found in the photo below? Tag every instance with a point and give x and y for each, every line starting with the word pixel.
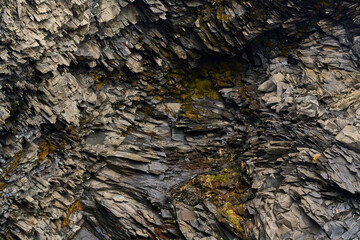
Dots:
pixel 45 148
pixel 220 13
pixel 190 112
pixel 99 85
pixel 224 190
pixel 315 157
pixel 10 168
pixel 96 76
pixel 76 206
pixel 100 79
pixel 2 185
pixel 128 131
pixel 203 88
pixel 148 88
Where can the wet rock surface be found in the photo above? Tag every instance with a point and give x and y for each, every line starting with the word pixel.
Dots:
pixel 179 119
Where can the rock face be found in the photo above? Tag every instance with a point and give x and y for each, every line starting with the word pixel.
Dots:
pixel 153 119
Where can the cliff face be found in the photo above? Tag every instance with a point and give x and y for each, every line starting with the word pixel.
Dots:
pixel 153 119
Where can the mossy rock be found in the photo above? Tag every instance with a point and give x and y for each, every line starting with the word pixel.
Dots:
pixel 203 88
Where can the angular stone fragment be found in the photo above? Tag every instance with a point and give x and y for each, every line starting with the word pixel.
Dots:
pixel 89 50
pixel 350 136
pixel 109 9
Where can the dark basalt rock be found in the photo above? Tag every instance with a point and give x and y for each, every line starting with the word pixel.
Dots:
pixel 215 119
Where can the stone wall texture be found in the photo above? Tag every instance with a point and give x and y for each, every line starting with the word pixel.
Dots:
pixel 179 119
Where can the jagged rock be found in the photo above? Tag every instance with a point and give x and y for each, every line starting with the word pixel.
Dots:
pixel 350 136
pixel 155 119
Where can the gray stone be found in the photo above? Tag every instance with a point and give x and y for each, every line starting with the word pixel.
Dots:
pixel 350 136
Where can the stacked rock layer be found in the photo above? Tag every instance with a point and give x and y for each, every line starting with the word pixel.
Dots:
pixel 154 119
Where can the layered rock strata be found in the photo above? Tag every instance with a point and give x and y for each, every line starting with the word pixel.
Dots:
pixel 215 119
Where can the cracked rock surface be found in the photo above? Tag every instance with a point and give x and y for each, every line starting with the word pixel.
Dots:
pixel 153 119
